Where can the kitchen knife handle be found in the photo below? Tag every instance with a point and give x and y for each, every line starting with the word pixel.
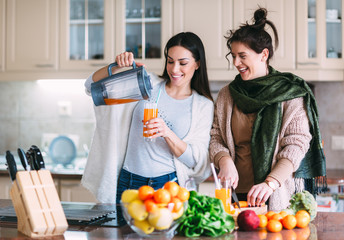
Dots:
pixel 11 165
pixel 23 159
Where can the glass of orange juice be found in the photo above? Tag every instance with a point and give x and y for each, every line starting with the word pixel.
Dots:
pixel 150 111
pixel 224 193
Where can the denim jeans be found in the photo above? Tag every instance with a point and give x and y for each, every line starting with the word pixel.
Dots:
pixel 129 180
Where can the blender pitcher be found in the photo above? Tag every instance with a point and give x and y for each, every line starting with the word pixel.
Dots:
pixel 123 87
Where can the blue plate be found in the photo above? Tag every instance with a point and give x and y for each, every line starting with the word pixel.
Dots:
pixel 62 150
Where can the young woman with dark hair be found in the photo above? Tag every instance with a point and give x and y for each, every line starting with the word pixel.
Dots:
pixel 120 159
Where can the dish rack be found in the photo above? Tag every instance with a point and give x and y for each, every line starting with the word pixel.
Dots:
pixel 37 205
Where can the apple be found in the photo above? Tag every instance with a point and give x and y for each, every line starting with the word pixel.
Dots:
pixel 248 220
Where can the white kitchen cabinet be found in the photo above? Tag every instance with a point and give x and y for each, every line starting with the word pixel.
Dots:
pixel 282 14
pixel 2 34
pixel 5 186
pixel 86 33
pixel 320 34
pixel 115 30
pixel 31 35
pixel 210 20
pixel 73 191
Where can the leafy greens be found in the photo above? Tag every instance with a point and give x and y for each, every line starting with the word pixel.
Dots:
pixel 205 216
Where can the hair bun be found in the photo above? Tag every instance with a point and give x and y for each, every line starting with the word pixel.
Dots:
pixel 260 16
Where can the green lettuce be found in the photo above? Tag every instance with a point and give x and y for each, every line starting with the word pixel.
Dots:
pixel 205 216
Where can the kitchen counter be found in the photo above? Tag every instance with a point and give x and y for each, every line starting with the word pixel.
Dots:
pixel 325 226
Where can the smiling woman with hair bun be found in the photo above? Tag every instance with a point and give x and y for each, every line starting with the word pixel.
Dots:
pixel 265 136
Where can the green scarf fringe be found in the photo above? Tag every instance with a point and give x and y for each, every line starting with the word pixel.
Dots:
pixel 264 96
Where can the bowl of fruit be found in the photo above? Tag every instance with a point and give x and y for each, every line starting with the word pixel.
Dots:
pixel 155 213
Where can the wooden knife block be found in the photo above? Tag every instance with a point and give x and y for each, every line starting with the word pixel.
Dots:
pixel 37 204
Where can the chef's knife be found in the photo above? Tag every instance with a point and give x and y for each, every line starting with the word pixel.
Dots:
pixel 235 198
pixel 11 165
pixel 23 159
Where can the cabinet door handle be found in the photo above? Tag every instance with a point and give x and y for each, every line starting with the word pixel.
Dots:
pixel 44 65
pixel 308 63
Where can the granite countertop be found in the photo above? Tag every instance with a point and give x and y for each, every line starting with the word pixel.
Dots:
pixel 327 225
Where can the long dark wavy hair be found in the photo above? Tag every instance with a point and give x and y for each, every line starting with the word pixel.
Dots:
pixel 254 35
pixel 193 43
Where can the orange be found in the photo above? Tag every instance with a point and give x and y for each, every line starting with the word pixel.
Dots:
pixel 177 204
pixel 263 221
pixel 172 187
pixel 269 214
pixel 162 196
pixel 146 192
pixel 277 217
pixel 302 218
pixel 289 222
pixel 283 213
pixel 274 226
pixel 183 194
pixel 150 205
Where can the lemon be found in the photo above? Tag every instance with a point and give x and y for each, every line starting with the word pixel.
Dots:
pixel 160 219
pixel 137 210
pixel 144 226
pixel 130 195
pixel 178 214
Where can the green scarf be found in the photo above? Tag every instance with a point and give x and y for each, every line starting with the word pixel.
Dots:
pixel 264 96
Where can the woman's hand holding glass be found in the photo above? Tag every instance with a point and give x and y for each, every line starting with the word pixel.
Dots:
pixel 157 127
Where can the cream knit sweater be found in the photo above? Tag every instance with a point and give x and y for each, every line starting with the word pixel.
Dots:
pixel 292 143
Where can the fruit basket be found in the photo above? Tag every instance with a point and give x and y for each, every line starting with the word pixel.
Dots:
pixel 160 224
pixel 155 213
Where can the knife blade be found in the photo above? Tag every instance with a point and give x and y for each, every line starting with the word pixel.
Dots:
pixel 23 159
pixel 235 198
pixel 11 165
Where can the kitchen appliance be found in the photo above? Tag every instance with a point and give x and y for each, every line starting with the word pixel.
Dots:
pixel 123 87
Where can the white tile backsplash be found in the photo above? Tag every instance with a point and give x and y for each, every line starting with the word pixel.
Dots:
pixel 29 109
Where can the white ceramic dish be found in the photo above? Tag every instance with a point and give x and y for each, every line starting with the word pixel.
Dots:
pixel 62 150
